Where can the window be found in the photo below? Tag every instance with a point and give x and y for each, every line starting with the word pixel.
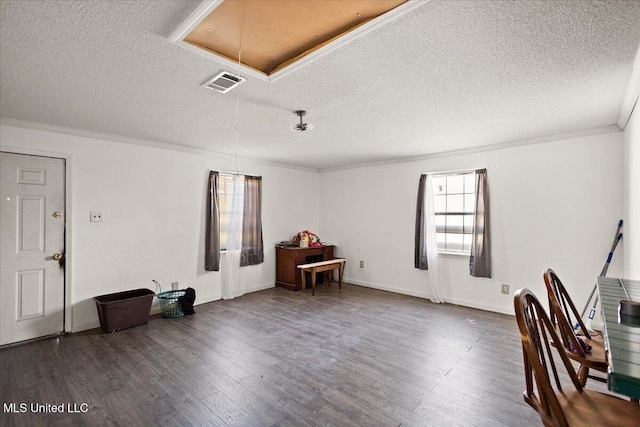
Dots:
pixel 454 219
pixel 231 205
pixel 233 220
pixel 454 204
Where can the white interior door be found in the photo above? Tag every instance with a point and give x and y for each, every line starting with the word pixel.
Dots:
pixel 32 219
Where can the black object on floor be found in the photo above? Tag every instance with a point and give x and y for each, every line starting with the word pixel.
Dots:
pixel 187 301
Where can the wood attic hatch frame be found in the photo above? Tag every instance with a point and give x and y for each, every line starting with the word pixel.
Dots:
pixel 268 39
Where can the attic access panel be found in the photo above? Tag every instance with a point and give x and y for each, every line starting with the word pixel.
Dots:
pixel 268 38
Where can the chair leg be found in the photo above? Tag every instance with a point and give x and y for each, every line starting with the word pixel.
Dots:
pixel 583 374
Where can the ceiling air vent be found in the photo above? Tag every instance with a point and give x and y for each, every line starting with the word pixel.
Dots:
pixel 224 82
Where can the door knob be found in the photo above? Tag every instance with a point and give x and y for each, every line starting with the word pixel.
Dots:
pixel 57 257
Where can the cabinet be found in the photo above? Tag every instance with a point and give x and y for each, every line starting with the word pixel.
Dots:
pixel 288 258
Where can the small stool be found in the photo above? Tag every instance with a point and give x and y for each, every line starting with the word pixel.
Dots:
pixel 319 267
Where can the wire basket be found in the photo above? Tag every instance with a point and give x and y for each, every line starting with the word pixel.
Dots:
pixel 169 303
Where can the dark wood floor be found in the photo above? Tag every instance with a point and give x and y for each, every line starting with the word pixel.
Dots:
pixel 355 357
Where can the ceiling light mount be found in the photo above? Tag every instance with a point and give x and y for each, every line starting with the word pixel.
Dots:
pixel 301 126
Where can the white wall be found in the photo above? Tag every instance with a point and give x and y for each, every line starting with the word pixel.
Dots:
pixel 153 203
pixel 631 231
pixel 554 204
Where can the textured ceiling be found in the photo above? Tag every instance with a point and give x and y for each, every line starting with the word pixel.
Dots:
pixel 445 76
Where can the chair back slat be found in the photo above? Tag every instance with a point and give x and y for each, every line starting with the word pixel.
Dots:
pixel 536 332
pixel 567 303
pixel 560 308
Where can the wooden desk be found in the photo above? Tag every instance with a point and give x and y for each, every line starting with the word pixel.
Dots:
pixel 622 342
pixel 288 258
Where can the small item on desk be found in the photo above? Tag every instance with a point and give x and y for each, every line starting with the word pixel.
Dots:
pixel 629 313
pixel 306 238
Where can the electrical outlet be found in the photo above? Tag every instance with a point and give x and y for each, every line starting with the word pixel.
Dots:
pixel 505 289
pixel 361 264
pixel 174 286
pixel 95 217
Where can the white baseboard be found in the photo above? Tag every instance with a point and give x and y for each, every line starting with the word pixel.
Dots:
pixel 261 287
pixel 413 293
pixel 85 326
pixel 386 288
pixel 484 307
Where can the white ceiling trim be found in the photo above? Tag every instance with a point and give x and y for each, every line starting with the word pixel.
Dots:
pixel 194 18
pixel 184 149
pixel 632 94
pixel 500 146
pixel 138 141
pixel 207 6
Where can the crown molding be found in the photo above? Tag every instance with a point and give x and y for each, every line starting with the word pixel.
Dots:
pixel 492 147
pixel 632 94
pixel 143 142
pixel 184 149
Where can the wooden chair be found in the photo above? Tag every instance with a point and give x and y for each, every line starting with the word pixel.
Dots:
pixel 564 314
pixel 574 405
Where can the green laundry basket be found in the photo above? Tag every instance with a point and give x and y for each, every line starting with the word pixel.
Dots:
pixel 169 303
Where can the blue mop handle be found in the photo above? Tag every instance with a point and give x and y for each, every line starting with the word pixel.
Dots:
pixel 610 256
pixel 603 272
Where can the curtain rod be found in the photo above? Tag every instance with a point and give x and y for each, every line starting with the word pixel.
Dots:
pixel 238 173
pixel 233 173
pixel 456 171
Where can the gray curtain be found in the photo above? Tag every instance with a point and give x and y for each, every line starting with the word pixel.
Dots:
pixel 252 247
pixel 212 236
pixel 420 254
pixel 480 261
